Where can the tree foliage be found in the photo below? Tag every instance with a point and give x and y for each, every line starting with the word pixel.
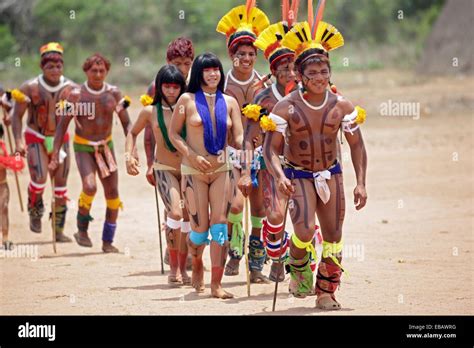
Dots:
pixel 141 29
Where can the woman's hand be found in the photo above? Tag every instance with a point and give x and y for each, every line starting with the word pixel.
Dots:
pixel 200 163
pixel 285 186
pixel 132 164
pixel 245 184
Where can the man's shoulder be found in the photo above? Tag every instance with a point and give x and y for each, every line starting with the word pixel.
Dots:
pixel 68 81
pixel 111 88
pixel 263 94
pixel 343 104
pixel 114 90
pixel 32 82
pixel 70 85
pixel 282 108
pixel 290 99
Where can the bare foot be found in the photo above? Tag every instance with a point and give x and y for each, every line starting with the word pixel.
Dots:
pixel 174 279
pixel 109 248
pixel 232 267
pixel 83 239
pixel 327 302
pixel 62 238
pixel 257 277
pixel 293 289
pixel 197 278
pixel 186 278
pixel 277 269
pixel 218 292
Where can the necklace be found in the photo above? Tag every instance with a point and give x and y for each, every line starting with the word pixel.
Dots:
pixel 213 143
pixel 92 91
pixel 319 107
pixel 49 88
pixel 164 130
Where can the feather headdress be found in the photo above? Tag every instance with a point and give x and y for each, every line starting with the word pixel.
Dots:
pixel 314 36
pixel 243 22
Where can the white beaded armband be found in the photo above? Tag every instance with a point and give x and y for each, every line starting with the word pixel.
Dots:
pixel 281 123
pixel 350 122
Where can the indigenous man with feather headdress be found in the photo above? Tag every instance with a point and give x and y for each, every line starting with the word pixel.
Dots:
pixel 306 123
pixel 242 25
pixel 281 60
pixel 41 96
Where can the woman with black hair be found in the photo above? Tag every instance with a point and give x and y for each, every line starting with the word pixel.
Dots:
pixel 170 86
pixel 211 120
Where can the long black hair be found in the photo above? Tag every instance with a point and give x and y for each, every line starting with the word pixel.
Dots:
pixel 1 131
pixel 204 61
pixel 168 74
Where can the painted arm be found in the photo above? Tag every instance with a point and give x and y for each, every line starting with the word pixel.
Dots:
pixel 61 129
pixel 149 139
pixel 123 114
pixel 252 130
pixel 359 161
pixel 271 149
pixel 149 144
pixel 132 162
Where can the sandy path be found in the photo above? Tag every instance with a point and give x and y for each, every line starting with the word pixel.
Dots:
pixel 413 242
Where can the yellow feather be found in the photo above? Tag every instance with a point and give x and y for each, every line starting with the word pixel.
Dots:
pixel 236 19
pixel 259 20
pixel 231 20
pixel 250 5
pixel 298 35
pixel 329 37
pixel 299 39
pixel 269 36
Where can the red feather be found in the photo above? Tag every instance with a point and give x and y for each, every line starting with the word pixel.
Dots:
pixel 294 11
pixel 285 7
pixel 290 87
pixel 310 13
pixel 250 5
pixel 318 18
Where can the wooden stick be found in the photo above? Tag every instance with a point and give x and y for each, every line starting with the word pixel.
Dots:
pixel 246 233
pixel 53 218
pixel 157 200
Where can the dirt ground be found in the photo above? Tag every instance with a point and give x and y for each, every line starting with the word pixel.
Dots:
pixel 409 251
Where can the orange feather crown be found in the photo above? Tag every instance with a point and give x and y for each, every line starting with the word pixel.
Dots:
pixel 51 47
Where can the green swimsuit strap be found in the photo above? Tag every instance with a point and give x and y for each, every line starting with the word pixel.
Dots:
pixel 164 131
